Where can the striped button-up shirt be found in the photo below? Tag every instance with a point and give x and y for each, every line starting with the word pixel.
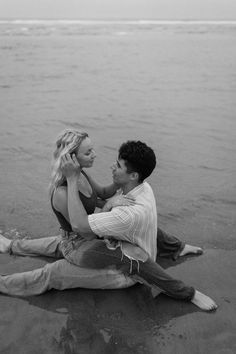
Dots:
pixel 136 224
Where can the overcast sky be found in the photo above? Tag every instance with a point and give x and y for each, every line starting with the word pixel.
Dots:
pixel 159 9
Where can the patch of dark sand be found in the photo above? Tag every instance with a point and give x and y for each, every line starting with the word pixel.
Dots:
pixel 124 321
pixel 207 227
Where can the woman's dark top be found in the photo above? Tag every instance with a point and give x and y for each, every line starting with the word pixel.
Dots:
pixel 89 204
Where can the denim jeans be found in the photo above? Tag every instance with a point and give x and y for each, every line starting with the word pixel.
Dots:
pixel 98 256
pixel 59 275
pixel 168 246
pixel 89 264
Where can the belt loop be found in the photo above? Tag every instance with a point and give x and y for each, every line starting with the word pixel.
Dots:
pixel 138 265
pixel 10 247
pixel 64 233
pixel 130 270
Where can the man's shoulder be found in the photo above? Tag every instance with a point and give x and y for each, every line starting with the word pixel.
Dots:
pixel 145 192
pixel 147 187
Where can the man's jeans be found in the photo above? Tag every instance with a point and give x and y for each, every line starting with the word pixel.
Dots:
pixel 89 264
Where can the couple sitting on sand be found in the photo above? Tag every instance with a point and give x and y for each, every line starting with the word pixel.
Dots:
pixel 113 248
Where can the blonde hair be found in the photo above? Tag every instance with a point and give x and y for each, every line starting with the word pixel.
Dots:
pixel 67 142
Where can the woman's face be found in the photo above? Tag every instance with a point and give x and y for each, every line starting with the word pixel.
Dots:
pixel 85 153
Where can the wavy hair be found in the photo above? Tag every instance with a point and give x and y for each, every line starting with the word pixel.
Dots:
pixel 67 142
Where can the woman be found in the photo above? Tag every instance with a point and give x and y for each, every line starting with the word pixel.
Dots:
pixel 92 195
pixel 78 143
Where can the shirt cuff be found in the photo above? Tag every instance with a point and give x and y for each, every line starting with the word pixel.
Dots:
pixel 93 225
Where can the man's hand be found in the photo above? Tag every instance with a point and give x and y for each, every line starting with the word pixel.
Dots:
pixel 70 166
pixel 118 200
pixel 121 200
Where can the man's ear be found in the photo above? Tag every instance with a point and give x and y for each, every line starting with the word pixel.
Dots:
pixel 134 176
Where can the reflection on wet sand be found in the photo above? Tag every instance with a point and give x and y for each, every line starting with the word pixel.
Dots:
pixel 119 321
pixel 102 321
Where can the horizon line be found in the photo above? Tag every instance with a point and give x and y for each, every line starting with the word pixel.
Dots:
pixel 116 18
pixel 107 19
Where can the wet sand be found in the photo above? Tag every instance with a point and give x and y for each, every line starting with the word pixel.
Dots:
pixel 130 320
pixel 124 321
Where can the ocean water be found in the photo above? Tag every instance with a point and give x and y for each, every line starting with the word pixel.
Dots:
pixel 170 84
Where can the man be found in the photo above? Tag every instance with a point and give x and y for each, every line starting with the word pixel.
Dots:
pixel 136 225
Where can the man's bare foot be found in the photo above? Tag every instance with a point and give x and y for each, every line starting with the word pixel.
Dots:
pixel 204 302
pixel 4 244
pixel 188 249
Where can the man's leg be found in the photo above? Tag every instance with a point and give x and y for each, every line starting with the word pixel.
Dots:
pixel 150 273
pixel 46 246
pixel 61 275
pixel 170 246
pixel 98 256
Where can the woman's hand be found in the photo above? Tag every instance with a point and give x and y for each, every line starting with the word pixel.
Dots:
pixel 70 166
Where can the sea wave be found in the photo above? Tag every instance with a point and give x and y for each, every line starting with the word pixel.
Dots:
pixel 27 27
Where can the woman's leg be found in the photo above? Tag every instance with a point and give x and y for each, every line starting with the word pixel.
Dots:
pixel 61 275
pixel 46 246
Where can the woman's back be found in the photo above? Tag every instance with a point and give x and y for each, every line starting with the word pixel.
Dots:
pixel 89 203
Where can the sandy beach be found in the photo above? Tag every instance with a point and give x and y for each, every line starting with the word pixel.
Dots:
pixel 130 320
pixel 124 321
pixel 171 85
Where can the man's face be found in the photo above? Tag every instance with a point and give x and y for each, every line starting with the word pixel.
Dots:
pixel 119 173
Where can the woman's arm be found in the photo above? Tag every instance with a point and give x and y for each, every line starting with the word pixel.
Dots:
pixel 59 201
pixel 103 192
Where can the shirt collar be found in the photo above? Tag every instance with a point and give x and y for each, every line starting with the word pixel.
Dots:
pixel 136 191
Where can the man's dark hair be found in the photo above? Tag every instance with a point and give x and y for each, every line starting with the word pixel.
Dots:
pixel 138 158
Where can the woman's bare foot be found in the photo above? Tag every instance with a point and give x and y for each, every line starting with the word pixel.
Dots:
pixel 204 302
pixel 188 249
pixel 4 244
